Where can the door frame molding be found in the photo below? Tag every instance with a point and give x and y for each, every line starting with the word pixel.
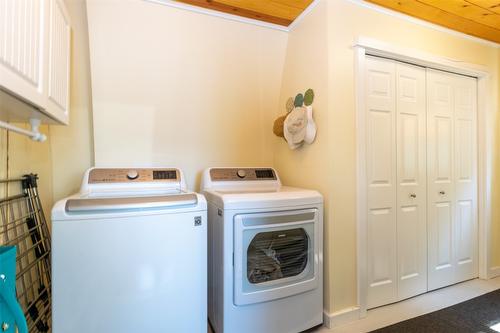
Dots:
pixel 485 116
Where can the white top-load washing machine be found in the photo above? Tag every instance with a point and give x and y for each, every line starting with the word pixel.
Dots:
pixel 129 254
pixel 265 262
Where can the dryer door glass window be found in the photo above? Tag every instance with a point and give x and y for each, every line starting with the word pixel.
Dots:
pixel 276 255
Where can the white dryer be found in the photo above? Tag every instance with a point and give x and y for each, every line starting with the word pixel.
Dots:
pixel 265 261
pixel 129 254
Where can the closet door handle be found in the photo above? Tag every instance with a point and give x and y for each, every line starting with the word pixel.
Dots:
pixel 442 192
pixel 413 195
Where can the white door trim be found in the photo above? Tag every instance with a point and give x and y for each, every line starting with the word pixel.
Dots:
pixel 366 46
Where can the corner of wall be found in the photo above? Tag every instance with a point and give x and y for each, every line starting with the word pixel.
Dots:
pixel 72 146
pixel 306 66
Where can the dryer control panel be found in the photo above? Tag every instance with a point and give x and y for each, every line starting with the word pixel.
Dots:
pixel 115 175
pixel 242 174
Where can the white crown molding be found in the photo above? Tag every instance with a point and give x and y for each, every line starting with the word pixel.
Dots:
pixel 237 18
pixel 215 13
pixel 421 22
pixel 299 18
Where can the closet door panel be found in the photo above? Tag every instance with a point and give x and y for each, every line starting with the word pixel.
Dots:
pixel 440 196
pixel 452 149
pixel 411 180
pixel 381 182
pixel 466 178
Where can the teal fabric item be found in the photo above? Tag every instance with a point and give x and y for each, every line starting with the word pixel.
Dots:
pixel 11 314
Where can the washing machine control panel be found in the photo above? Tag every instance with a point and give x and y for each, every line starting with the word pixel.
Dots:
pixel 112 175
pixel 242 174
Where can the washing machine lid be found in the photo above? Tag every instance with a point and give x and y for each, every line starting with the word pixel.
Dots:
pixel 83 205
pixel 251 199
pixel 77 207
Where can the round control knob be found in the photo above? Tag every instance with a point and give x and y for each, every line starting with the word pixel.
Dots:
pixel 132 174
pixel 241 173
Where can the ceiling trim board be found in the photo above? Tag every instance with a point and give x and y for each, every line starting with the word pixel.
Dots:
pixel 422 22
pixel 240 11
pixel 211 12
pixel 362 3
pixel 304 13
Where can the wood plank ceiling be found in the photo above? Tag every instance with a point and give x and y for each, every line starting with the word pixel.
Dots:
pixel 281 12
pixel 480 18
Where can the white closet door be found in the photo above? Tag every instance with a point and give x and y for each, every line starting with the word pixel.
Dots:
pixel 440 156
pixel 452 174
pixel 396 173
pixel 466 237
pixel 381 182
pixel 411 180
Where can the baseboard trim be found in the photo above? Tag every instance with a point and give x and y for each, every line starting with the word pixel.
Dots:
pixel 493 272
pixel 337 318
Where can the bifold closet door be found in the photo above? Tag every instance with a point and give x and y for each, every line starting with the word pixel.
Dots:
pixel 395 168
pixel 412 181
pixel 452 178
pixel 381 180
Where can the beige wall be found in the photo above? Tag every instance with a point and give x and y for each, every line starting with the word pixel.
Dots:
pixel 495 235
pixel 331 161
pixel 20 155
pixel 177 88
pixel 72 146
pixel 306 65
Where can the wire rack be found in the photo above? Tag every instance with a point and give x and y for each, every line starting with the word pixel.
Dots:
pixel 23 224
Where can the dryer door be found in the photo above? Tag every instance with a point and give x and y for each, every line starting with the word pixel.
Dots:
pixel 276 255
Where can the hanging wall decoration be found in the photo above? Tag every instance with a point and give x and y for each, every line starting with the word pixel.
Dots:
pixel 297 126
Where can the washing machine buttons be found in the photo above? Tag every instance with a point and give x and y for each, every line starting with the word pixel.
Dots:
pixel 132 174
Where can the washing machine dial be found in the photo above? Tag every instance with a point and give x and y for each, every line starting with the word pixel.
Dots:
pixel 132 174
pixel 241 173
